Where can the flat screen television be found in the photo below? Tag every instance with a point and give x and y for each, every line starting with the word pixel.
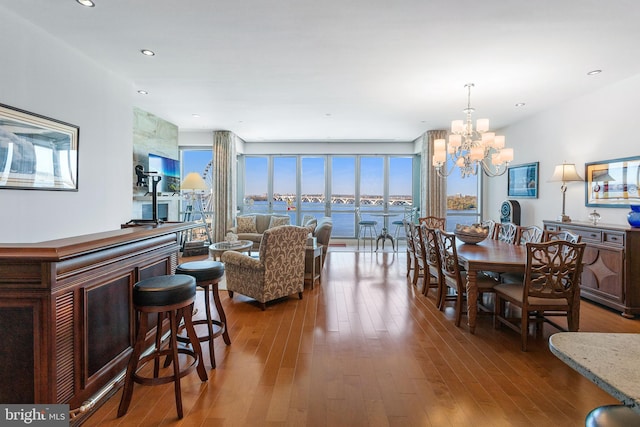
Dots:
pixel 169 170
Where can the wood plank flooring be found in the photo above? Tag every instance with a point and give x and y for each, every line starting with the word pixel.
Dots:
pixel 366 348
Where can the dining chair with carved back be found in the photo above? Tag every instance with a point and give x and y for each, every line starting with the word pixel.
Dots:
pixel 433 222
pixel 422 269
pixel 524 235
pixel 551 288
pixel 528 233
pixel 491 226
pixel 411 253
pixel 453 274
pixel 548 235
pixel 505 232
pixel 434 265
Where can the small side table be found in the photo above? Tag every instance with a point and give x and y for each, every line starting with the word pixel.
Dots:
pixel 217 249
pixel 312 264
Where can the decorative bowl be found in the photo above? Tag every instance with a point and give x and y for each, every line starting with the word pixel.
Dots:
pixel 471 234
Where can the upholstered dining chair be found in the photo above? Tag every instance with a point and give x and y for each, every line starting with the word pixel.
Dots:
pixel 551 288
pixel 454 277
pixel 277 273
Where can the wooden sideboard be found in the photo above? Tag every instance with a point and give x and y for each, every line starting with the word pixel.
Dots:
pixel 65 309
pixel 611 273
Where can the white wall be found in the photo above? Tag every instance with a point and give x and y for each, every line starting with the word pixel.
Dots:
pixel 41 75
pixel 598 126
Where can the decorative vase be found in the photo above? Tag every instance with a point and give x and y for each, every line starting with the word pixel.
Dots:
pixel 634 216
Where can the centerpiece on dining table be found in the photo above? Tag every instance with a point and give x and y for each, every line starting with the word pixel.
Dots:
pixel 471 234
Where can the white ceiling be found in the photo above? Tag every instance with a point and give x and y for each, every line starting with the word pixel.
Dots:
pixel 293 70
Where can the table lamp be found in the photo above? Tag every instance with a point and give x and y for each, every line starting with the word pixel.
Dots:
pixel 566 172
pixel 193 182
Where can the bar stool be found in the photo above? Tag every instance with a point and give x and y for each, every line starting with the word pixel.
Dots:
pixel 171 296
pixel 207 275
pixel 612 416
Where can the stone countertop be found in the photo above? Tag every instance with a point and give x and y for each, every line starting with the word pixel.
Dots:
pixel 610 360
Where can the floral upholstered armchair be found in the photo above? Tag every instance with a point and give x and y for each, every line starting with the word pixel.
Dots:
pixel 279 272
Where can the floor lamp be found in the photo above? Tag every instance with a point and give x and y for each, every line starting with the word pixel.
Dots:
pixel 566 172
pixel 194 183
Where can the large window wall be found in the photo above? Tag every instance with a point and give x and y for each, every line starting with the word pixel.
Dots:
pixel 298 185
pixel 463 199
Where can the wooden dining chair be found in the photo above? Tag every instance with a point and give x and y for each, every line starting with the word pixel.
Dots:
pixel 551 288
pixel 423 254
pixel 524 234
pixel 491 226
pixel 454 276
pixel 528 233
pixel 433 222
pixel 434 265
pixel 548 235
pixel 420 271
pixel 505 232
pixel 411 253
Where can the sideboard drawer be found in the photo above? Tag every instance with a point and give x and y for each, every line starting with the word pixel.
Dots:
pixel 613 238
pixel 588 236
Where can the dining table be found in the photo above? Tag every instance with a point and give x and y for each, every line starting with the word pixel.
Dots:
pixel 488 255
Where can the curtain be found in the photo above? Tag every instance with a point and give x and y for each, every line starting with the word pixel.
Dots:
pixel 433 188
pixel 224 183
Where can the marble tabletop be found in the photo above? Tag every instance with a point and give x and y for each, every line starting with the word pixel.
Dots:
pixel 610 360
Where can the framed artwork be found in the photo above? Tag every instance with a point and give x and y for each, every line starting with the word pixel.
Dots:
pixel 36 152
pixel 613 183
pixel 523 181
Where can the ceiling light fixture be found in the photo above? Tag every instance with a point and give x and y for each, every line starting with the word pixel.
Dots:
pixel 469 148
pixel 520 104
pixel 195 116
pixel 143 92
pixel 594 72
pixel 87 3
pixel 148 52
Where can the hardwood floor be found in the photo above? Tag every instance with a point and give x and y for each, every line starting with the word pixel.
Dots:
pixel 366 348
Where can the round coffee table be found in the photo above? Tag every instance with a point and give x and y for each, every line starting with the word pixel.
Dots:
pixel 217 249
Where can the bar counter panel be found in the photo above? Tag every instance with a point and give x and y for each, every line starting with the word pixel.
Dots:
pixel 66 310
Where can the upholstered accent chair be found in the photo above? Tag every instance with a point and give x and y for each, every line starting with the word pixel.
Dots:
pixel 251 226
pixel 322 233
pixel 277 273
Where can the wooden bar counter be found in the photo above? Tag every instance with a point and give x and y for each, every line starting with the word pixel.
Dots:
pixel 67 324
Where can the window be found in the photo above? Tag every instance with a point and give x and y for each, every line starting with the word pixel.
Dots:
pixel 463 201
pixel 298 185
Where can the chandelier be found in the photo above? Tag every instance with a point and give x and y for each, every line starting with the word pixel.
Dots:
pixel 471 148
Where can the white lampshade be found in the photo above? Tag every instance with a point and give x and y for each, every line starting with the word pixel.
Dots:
pixel 193 181
pixel 566 172
pixel 455 141
pixel 506 154
pixel 482 125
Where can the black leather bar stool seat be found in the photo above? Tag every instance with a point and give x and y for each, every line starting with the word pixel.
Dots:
pixel 171 296
pixel 613 416
pixel 207 275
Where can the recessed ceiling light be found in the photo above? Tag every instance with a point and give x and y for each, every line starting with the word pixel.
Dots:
pixel 143 92
pixel 594 72
pixel 520 104
pixel 87 3
pixel 195 116
pixel 148 52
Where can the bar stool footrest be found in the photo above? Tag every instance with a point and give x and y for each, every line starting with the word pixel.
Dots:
pixel 169 378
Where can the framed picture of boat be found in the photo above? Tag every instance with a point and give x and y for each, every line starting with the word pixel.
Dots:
pixel 613 183
pixel 37 152
pixel 523 181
